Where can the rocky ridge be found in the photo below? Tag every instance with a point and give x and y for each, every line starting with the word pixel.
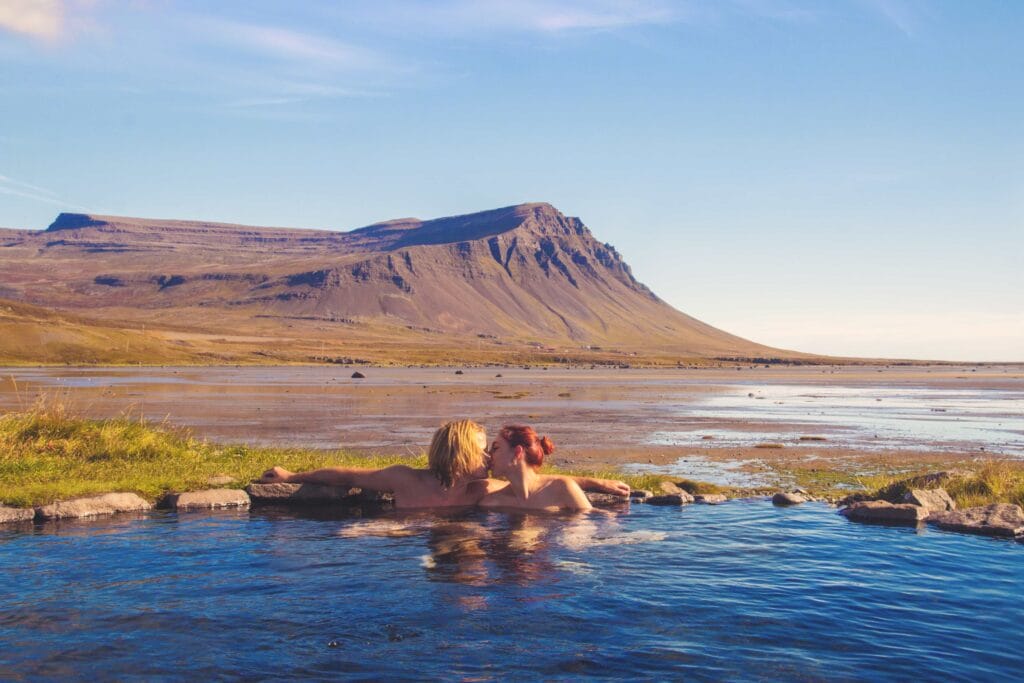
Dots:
pixel 519 273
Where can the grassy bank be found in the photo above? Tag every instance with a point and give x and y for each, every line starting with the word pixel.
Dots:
pixel 47 455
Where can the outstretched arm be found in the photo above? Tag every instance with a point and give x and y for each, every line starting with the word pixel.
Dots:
pixel 613 486
pixel 386 479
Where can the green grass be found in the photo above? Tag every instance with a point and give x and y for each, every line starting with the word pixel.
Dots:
pixel 995 481
pixel 47 455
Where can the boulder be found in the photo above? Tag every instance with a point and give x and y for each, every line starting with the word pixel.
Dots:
pixel 669 488
pixel 681 498
pixel 606 499
pixel 884 511
pixel 788 498
pixel 208 500
pixel 301 493
pixel 932 500
pixel 997 519
pixel 640 495
pixel 107 504
pixel 710 498
pixel 16 514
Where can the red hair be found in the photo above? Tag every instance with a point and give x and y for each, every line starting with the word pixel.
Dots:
pixel 535 448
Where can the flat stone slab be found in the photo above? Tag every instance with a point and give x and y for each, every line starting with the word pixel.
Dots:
pixel 681 498
pixel 710 498
pixel 16 514
pixel 606 499
pixel 107 504
pixel 884 511
pixel 997 519
pixel 209 499
pixel 311 494
pixel 784 498
pixel 932 500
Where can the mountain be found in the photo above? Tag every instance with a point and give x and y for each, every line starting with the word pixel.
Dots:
pixel 518 277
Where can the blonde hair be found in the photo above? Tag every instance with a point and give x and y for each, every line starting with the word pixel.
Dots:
pixel 454 451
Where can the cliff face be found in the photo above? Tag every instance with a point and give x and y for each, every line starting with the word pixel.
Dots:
pixel 523 272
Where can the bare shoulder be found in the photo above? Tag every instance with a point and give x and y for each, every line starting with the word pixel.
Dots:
pixel 566 494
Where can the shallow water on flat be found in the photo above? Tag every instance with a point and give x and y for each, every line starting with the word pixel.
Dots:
pixel 737 591
pixel 396 409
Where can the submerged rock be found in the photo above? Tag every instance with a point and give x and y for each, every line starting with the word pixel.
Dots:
pixel 107 504
pixel 932 500
pixel 997 519
pixel 884 511
pixel 606 499
pixel 710 498
pixel 681 498
pixel 783 498
pixel 16 514
pixel 208 500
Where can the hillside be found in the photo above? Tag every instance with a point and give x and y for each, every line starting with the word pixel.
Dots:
pixel 516 279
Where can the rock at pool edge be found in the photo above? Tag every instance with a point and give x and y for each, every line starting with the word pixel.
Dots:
pixel 209 499
pixel 107 504
pixel 16 514
pixel 884 511
pixel 997 519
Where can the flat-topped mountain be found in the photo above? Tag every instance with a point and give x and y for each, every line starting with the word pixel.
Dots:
pixel 523 274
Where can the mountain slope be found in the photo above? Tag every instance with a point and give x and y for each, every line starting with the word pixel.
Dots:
pixel 520 274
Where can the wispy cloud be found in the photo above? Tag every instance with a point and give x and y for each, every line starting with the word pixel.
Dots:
pixel 285 44
pixel 42 19
pixel 17 188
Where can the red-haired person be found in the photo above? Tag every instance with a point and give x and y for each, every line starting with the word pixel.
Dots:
pixel 517 455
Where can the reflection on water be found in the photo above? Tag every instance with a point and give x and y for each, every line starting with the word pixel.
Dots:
pixel 737 591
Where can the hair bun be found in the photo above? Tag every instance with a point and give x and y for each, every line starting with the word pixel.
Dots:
pixel 547 445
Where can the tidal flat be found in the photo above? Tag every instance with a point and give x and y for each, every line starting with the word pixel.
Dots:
pixel 736 426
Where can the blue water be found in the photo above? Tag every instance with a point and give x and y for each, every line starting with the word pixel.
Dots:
pixel 738 591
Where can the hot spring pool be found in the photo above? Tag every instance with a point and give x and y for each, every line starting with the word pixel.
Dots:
pixel 737 591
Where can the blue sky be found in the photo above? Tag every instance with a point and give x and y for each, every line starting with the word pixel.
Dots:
pixel 840 177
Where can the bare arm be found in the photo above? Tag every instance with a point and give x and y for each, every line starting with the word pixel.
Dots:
pixel 612 486
pixel 386 479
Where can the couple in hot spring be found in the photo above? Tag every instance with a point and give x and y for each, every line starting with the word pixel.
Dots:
pixel 458 463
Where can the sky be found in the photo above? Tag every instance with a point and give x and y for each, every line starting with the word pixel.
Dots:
pixel 839 177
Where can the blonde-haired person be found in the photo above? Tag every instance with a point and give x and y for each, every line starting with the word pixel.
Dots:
pixel 518 454
pixel 456 473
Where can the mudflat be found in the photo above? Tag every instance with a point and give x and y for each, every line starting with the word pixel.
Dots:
pixel 741 425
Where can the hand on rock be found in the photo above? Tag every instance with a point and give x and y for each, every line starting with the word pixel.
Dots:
pixel 275 475
pixel 614 487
